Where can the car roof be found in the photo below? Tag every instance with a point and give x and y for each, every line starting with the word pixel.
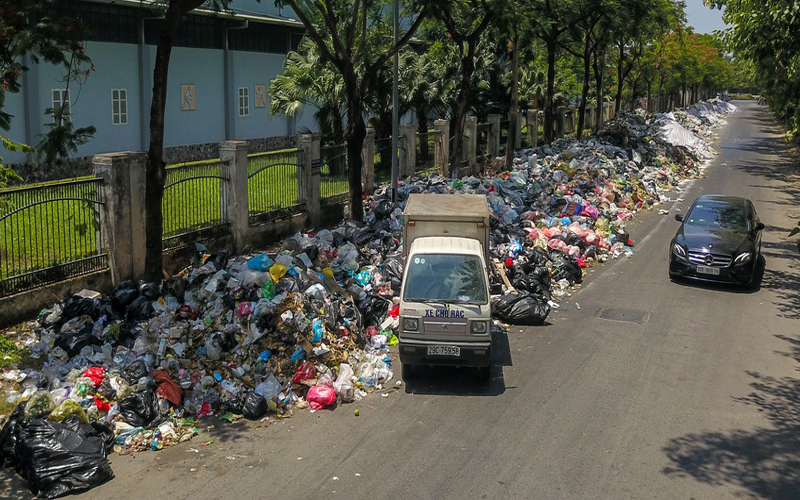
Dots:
pixel 737 201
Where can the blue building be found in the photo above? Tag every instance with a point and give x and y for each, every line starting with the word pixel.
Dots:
pixel 219 75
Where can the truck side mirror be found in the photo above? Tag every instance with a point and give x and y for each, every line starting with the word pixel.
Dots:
pixel 679 217
pixel 759 226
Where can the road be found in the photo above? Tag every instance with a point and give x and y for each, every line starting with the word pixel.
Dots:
pixel 677 391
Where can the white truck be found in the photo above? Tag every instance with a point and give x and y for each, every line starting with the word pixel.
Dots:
pixel 445 306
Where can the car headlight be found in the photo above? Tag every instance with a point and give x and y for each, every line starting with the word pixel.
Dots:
pixel 410 324
pixel 678 250
pixel 743 258
pixel 479 326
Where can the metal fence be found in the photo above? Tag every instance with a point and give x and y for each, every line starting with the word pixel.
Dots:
pixel 425 153
pixel 49 233
pixel 333 175
pixel 194 202
pixel 273 189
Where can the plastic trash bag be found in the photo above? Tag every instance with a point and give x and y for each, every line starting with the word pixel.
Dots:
pixel 139 409
pixel 277 272
pixel 69 408
pixel 269 388
pixel 255 406
pixel 40 404
pixel 10 435
pixel 123 294
pixel 60 458
pixel 345 390
pixel 321 396
pixel 520 309
pixel 260 262
pixel 306 371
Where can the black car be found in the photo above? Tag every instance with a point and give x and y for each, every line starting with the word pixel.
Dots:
pixel 719 240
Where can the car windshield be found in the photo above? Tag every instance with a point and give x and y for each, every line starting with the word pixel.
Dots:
pixel 446 277
pixel 717 215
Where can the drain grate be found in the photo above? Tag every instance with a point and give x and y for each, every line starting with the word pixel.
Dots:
pixel 623 315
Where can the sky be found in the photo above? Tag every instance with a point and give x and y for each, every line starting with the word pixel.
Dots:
pixel 703 19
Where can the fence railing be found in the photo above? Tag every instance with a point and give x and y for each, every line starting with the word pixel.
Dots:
pixel 273 185
pixel 49 233
pixel 333 184
pixel 194 202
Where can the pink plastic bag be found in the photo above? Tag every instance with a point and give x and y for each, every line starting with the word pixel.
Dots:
pixel 321 396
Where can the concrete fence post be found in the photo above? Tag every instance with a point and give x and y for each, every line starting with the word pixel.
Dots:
pixel 493 139
pixel 560 112
pixel 368 158
pixel 572 122
pixel 441 151
pixel 588 120
pixel 308 180
pixel 518 137
pixel 233 191
pixel 123 222
pixel 533 127
pixel 408 152
pixel 471 143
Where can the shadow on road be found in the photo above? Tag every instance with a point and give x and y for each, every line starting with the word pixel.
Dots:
pixel 464 381
pixel 765 462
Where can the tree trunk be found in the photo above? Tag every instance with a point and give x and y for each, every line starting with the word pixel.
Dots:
pixel 356 131
pixel 460 114
pixel 587 66
pixel 551 83
pixel 649 95
pixel 661 107
pixel 620 78
pixel 513 113
pixel 156 169
pixel 599 75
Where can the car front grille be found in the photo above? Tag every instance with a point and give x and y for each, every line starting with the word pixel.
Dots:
pixel 719 259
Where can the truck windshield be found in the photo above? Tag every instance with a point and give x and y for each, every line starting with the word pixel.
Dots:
pixel 446 277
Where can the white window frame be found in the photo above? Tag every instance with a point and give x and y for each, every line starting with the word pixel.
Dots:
pixel 60 96
pixel 120 98
pixel 244 101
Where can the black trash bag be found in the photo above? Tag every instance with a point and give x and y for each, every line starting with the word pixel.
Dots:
pixel 92 430
pixel 373 309
pixel 220 260
pixel 73 341
pixel 358 235
pixel 520 309
pixel 134 371
pixel 139 409
pixel 78 306
pixel 312 251
pixel 531 284
pixel 140 309
pixel 575 240
pixel 150 291
pixel 288 284
pixel 57 459
pixel 10 436
pixel 383 209
pixel 233 405
pixel 569 270
pixel 393 272
pixel 106 390
pixel 255 406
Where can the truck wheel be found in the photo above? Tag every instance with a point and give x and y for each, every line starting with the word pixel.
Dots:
pixel 485 373
pixel 406 372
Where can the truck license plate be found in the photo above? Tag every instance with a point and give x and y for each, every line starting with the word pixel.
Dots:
pixel 708 270
pixel 437 350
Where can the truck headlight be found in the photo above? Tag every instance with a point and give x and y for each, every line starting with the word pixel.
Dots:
pixel 743 258
pixel 480 326
pixel 410 324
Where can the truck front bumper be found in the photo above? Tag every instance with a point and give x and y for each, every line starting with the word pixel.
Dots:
pixel 416 352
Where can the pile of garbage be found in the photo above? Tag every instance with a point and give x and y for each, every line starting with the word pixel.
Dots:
pixel 308 323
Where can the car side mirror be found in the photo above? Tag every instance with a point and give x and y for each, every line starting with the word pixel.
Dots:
pixel 679 217
pixel 758 227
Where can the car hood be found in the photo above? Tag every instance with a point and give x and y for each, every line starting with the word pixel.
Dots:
pixel 717 240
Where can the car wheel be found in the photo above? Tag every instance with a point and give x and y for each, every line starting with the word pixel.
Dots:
pixel 485 373
pixel 407 371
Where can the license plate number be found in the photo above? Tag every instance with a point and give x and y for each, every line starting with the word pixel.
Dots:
pixel 708 270
pixel 437 350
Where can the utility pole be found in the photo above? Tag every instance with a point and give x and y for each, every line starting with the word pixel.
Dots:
pixel 395 104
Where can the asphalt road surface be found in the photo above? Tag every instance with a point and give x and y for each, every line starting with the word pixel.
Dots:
pixel 638 388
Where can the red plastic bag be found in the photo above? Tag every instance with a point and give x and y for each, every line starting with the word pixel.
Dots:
pixel 321 396
pixel 306 371
pixel 101 405
pixel 167 388
pixel 95 374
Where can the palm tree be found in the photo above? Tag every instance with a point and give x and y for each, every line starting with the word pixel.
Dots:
pixel 423 88
pixel 308 80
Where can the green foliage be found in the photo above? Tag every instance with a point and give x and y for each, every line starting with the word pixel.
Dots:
pixel 9 353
